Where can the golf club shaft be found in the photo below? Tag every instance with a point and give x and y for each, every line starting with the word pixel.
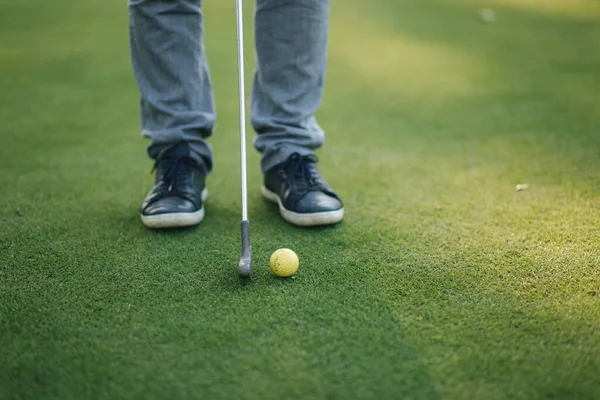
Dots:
pixel 242 96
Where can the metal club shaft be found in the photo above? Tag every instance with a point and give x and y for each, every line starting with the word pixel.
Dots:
pixel 244 267
pixel 242 97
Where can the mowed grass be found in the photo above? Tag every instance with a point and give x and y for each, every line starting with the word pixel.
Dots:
pixel 443 282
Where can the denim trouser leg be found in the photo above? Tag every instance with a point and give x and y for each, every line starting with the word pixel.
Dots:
pixel 177 102
pixel 291 47
pixel 171 71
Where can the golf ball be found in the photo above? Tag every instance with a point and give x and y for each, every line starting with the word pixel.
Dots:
pixel 284 262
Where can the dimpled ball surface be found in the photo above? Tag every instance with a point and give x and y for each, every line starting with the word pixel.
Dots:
pixel 284 262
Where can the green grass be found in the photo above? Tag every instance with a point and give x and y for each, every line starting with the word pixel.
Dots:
pixel 443 282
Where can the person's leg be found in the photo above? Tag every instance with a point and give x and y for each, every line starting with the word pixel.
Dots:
pixel 170 67
pixel 291 47
pixel 176 107
pixel 291 44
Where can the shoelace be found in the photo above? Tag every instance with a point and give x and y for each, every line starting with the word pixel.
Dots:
pixel 176 166
pixel 304 169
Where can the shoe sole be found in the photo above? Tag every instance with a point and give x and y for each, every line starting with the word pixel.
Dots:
pixel 175 220
pixel 308 219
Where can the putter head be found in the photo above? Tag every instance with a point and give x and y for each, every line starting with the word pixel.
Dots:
pixel 244 268
pixel 245 265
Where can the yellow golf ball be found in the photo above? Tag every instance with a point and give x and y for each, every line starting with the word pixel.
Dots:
pixel 284 263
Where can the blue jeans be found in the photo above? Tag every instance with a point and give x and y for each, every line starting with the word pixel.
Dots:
pixel 171 70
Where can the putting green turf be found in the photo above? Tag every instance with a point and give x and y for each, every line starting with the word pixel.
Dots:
pixel 443 282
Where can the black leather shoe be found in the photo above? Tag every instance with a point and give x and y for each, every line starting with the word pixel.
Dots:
pixel 304 198
pixel 179 191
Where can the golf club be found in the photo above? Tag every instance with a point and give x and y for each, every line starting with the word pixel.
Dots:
pixel 244 267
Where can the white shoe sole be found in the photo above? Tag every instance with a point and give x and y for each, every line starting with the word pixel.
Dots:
pixel 175 220
pixel 312 219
